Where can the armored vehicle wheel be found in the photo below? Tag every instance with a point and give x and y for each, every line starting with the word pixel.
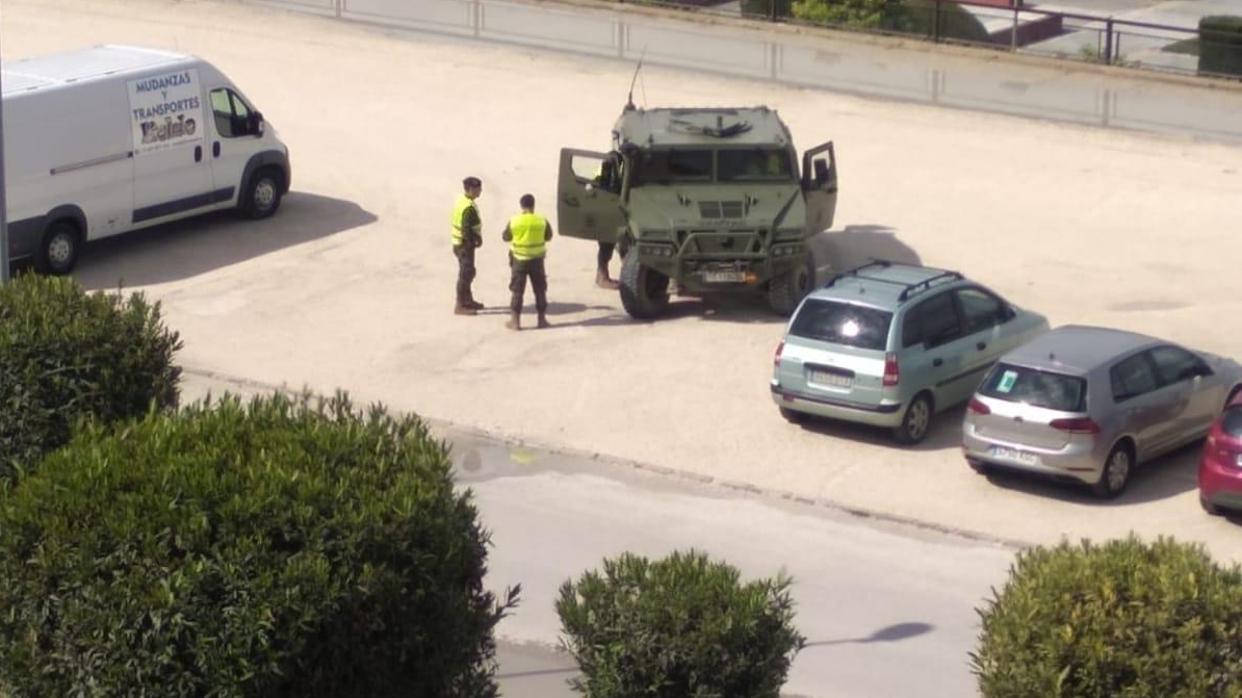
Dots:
pixel 785 292
pixel 644 291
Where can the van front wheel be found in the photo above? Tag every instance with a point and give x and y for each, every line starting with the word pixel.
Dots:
pixel 58 251
pixel 262 195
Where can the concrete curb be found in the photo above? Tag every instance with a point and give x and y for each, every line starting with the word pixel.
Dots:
pixel 731 486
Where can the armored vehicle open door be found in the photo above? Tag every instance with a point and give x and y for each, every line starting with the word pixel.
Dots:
pixel 819 183
pixel 588 197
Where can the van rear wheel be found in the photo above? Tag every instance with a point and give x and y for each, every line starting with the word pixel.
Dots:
pixel 58 251
pixel 262 195
pixel 644 291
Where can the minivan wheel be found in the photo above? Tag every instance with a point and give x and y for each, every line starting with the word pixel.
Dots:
pixel 58 251
pixel 916 422
pixel 1116 474
pixel 262 195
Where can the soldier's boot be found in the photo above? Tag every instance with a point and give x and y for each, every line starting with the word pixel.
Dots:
pixel 515 321
pixel 462 306
pixel 603 280
pixel 471 302
pixel 543 321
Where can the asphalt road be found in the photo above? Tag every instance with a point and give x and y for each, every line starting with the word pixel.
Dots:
pixel 887 609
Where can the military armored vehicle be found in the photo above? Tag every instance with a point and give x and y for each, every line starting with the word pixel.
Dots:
pixel 701 201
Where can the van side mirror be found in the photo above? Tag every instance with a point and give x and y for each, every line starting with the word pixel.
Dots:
pixel 254 124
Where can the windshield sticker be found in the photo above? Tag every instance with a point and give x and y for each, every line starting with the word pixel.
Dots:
pixel 1008 378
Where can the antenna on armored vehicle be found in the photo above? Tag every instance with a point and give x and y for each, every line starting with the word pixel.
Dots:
pixel 629 100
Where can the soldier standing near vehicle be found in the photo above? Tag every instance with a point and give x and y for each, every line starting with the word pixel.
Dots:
pixel 528 234
pixel 608 177
pixel 467 236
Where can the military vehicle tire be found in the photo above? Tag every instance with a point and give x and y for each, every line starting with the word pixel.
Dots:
pixel 786 291
pixel 644 291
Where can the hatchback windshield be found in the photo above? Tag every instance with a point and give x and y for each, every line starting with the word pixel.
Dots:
pixel 842 323
pixel 1053 391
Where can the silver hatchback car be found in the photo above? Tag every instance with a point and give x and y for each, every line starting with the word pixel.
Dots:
pixel 1088 404
pixel 892 344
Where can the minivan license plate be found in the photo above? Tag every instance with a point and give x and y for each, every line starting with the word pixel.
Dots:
pixel 834 380
pixel 724 277
pixel 1015 454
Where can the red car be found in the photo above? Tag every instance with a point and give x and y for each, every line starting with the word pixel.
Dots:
pixel 1220 471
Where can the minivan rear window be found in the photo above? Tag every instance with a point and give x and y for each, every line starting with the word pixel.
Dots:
pixel 1231 422
pixel 1053 391
pixel 842 323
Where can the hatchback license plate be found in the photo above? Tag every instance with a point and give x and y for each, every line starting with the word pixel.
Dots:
pixel 835 380
pixel 724 277
pixel 1015 454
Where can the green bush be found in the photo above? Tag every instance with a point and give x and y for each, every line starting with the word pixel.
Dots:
pixel 66 355
pixel 914 17
pixel 1122 619
pixel 275 548
pixel 1220 45
pixel 765 8
pixel 681 627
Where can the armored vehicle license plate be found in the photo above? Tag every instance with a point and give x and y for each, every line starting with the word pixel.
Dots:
pixel 724 277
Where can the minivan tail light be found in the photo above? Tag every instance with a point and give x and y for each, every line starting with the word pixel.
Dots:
pixel 976 405
pixel 892 371
pixel 776 358
pixel 1076 425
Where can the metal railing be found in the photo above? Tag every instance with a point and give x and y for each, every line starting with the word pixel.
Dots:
pixel 1043 92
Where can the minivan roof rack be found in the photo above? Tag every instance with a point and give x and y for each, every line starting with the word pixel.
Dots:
pixel 907 290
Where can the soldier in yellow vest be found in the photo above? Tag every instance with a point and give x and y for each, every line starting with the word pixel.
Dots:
pixel 528 234
pixel 467 235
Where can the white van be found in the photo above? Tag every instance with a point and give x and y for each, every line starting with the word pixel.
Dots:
pixel 115 138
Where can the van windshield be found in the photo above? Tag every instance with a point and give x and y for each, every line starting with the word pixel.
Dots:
pixel 1053 391
pixel 842 323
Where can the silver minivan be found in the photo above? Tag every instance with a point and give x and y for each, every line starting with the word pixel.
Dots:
pixel 892 344
pixel 1087 404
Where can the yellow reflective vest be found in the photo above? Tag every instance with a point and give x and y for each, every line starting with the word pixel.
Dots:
pixel 463 202
pixel 527 231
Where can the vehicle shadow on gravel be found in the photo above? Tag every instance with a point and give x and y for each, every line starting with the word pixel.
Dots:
pixel 945 433
pixel 186 248
pixel 1162 478
pixel 855 245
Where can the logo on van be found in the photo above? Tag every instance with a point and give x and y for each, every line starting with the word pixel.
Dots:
pixel 165 110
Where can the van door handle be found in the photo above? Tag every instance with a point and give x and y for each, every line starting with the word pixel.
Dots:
pixel 215 149
pixel 981 346
pixel 937 362
pixel 198 153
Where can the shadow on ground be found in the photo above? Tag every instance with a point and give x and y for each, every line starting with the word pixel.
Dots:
pixel 945 432
pixel 186 248
pixel 1162 478
pixel 855 245
pixel 892 633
